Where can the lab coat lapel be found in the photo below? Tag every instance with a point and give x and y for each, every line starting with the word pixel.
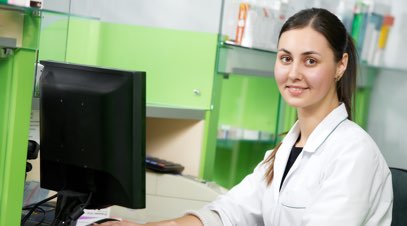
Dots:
pixel 325 128
pixel 282 156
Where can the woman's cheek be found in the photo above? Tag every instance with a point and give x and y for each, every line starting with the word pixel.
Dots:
pixel 321 79
pixel 280 75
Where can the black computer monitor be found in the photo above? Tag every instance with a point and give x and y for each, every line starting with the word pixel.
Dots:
pixel 92 137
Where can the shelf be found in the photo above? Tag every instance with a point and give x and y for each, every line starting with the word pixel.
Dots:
pixel 234 59
pixel 15 23
pixel 8 42
pixel 20 26
pixel 37 11
pixel 368 72
pixel 16 8
pixel 156 111
pixel 227 142
pixel 384 68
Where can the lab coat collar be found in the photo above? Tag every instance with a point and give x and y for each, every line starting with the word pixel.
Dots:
pixel 320 133
pixel 325 128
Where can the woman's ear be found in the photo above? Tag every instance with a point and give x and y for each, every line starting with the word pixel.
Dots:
pixel 341 66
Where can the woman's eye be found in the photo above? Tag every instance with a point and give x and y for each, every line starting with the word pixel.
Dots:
pixel 310 61
pixel 285 59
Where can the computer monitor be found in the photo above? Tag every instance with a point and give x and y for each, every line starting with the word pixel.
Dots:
pixel 92 137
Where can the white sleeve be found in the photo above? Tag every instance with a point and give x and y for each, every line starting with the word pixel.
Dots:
pixel 206 216
pixel 242 204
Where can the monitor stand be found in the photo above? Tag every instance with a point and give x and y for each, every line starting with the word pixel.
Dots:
pixel 70 206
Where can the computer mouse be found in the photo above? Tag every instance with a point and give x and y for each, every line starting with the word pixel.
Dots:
pixel 103 221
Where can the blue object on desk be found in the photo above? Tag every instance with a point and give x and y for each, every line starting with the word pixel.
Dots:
pixel 163 166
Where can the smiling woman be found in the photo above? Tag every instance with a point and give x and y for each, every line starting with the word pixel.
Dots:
pixel 305 62
pixel 327 170
pixel 306 72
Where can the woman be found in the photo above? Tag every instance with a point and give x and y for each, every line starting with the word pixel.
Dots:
pixel 327 170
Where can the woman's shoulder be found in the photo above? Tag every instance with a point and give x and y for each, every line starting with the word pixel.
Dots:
pixel 351 139
pixel 350 143
pixel 349 129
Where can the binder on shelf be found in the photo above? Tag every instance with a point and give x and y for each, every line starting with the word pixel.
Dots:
pixel 241 22
pixel 388 21
pixel 258 26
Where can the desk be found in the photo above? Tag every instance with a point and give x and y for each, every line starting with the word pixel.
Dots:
pixel 168 196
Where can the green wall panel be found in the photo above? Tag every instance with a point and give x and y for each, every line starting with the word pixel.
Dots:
pixel 208 154
pixel 235 159
pixel 361 111
pixel 84 42
pixel 249 102
pixel 53 38
pixel 74 40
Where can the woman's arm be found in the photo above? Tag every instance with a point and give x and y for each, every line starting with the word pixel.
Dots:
pixel 187 220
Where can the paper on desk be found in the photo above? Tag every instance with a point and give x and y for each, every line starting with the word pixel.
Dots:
pixel 91 216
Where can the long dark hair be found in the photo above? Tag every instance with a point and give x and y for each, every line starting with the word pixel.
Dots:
pixel 327 24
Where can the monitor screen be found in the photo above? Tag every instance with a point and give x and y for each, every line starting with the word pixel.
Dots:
pixel 92 133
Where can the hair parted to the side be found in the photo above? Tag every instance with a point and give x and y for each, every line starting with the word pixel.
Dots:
pixel 329 25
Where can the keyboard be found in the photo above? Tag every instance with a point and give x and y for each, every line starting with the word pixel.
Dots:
pixel 163 166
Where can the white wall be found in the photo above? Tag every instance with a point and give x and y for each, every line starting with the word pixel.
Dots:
pixel 396 49
pixel 387 120
pixel 191 15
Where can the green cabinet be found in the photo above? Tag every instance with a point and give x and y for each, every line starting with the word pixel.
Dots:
pixel 179 64
pixel 18 48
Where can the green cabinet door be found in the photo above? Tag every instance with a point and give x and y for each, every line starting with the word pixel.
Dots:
pixel 16 87
pixel 179 64
pixel 17 63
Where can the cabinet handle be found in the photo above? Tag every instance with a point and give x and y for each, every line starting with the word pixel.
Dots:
pixel 197 92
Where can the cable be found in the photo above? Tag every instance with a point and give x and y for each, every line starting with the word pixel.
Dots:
pixel 43 216
pixel 87 201
pixel 35 207
pixel 76 210
pixel 80 209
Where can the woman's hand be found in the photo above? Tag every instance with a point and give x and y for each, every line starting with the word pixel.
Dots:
pixel 119 223
pixel 187 220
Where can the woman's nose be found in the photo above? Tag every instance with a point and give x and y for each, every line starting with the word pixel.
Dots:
pixel 295 72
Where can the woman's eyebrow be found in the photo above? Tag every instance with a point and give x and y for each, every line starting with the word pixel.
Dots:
pixel 310 53
pixel 304 53
pixel 284 50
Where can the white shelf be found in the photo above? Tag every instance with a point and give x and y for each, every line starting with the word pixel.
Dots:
pixel 158 111
pixel 234 59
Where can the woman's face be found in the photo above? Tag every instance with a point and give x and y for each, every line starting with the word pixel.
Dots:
pixel 305 69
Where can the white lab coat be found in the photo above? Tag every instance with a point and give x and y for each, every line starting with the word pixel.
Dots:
pixel 339 179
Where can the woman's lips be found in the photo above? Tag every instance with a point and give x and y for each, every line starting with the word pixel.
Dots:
pixel 296 90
